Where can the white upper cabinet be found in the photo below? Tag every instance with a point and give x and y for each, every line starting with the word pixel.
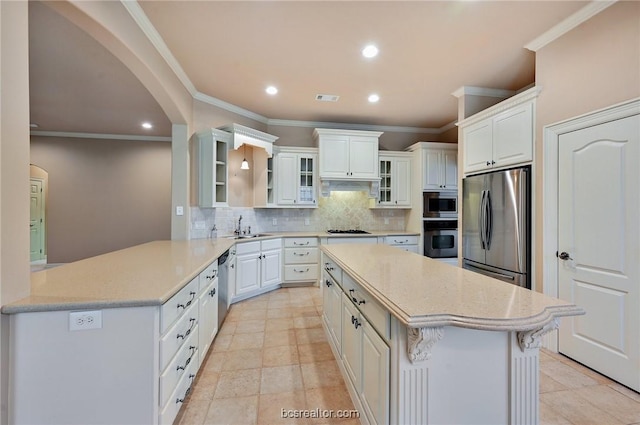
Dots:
pixel 395 180
pixel 501 135
pixel 296 177
pixel 440 169
pixel 347 155
pixel 209 167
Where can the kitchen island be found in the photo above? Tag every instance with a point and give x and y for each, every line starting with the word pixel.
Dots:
pixel 421 342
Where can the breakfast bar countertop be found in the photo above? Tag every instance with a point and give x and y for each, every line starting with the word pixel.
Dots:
pixel 422 292
pixel 143 275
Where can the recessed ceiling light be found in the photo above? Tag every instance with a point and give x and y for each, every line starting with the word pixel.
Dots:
pixel 370 51
pixel 271 90
pixel 373 98
pixel 147 125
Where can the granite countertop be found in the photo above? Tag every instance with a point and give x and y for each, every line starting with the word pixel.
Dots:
pixel 422 292
pixel 143 275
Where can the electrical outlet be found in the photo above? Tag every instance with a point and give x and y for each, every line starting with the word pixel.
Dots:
pixel 386 220
pixel 306 221
pixel 179 210
pixel 275 221
pixel 84 320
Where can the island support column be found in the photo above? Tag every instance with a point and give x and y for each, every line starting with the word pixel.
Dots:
pixel 452 375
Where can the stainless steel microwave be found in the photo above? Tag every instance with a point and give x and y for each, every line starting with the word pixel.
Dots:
pixel 440 205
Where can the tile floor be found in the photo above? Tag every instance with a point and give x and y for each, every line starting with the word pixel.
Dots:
pixel 272 354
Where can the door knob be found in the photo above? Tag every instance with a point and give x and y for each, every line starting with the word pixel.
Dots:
pixel 564 256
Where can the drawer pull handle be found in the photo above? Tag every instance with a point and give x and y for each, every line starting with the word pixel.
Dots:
pixel 301 244
pixel 186 363
pixel 184 306
pixel 361 302
pixel 301 255
pixel 301 271
pixel 404 241
pixel 186 393
pixel 353 319
pixel 212 292
pixel 355 322
pixel 328 283
pixel 233 266
pixel 213 276
pixel 186 334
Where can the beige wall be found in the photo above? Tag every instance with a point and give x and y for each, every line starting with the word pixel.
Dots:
pixel 104 195
pixel 14 172
pixel 595 65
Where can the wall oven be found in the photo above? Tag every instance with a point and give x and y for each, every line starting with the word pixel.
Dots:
pixel 440 238
pixel 440 205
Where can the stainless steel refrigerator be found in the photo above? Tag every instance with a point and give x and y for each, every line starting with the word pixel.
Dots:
pixel 496 225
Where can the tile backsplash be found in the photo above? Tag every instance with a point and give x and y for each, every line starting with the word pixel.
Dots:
pixel 341 210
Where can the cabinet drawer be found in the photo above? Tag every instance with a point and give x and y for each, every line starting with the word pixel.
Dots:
pixel 271 244
pixel 208 275
pixel 170 410
pixel 300 255
pixel 178 366
pixel 332 268
pixel 300 242
pixel 401 240
pixel 300 272
pixel 171 342
pixel 177 304
pixel 248 247
pixel 377 315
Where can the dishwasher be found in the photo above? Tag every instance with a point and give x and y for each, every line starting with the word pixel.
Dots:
pixel 224 261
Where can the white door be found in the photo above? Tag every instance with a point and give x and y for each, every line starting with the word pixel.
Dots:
pixel 248 273
pixel 363 157
pixel 450 174
pixel 36 221
pixel 375 376
pixel 431 169
pixel 599 237
pixel 334 156
pixel 402 184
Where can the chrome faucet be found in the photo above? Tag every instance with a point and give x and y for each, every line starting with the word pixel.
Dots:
pixel 237 231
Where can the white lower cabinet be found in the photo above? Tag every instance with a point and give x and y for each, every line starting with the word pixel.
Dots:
pixel 405 242
pixel 258 267
pixel 208 301
pixel 354 323
pixel 301 257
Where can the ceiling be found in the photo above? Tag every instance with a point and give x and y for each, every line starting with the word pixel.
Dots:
pixel 232 50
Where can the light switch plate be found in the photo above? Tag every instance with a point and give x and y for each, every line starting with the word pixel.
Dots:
pixel 179 210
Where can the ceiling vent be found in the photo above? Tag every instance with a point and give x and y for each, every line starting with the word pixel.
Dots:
pixel 327 97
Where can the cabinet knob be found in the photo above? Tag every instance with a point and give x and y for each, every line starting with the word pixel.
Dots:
pixel 488 162
pixel 493 162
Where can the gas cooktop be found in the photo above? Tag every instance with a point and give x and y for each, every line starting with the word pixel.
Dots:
pixel 349 231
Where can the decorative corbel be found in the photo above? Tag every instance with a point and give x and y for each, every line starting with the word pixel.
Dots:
pixel 528 340
pixel 420 341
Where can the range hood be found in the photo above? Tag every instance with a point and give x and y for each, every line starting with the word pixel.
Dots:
pixel 372 187
pixel 241 135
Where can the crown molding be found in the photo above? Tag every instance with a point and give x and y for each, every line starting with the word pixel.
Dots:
pixel 74 135
pixel 351 126
pixel 483 91
pixel 155 38
pixel 230 107
pixel 568 24
pixel 518 99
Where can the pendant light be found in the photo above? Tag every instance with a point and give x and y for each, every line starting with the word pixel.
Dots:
pixel 245 163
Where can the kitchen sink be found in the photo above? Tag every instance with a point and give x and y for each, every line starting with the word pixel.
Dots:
pixel 255 235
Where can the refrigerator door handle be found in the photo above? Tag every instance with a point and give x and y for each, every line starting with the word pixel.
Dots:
pixel 489 219
pixel 490 273
pixel 481 220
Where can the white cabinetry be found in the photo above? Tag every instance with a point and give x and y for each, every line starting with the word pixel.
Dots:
pixel 440 169
pixel 502 135
pixel 365 355
pixel 258 267
pixel 347 155
pixel 296 177
pixel 209 167
pixel 208 300
pixel 301 257
pixel 395 180
pixel 405 242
